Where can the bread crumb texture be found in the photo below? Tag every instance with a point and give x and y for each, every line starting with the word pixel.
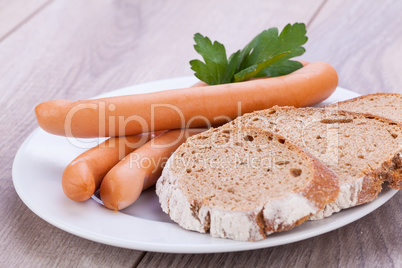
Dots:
pixel 243 184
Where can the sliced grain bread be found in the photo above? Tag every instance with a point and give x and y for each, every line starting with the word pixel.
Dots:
pixel 363 150
pixel 387 105
pixel 243 184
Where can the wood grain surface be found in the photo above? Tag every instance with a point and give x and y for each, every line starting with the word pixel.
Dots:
pixel 363 41
pixel 17 12
pixel 77 49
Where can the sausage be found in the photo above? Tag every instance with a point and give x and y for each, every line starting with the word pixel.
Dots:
pixel 200 106
pixel 140 170
pixel 83 176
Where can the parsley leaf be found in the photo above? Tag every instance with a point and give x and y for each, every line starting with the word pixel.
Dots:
pixel 280 68
pixel 213 70
pixel 255 69
pixel 267 54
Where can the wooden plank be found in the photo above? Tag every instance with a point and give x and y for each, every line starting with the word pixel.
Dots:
pixel 14 13
pixel 362 40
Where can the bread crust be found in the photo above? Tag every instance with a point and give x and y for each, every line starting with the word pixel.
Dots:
pixel 251 225
pixel 379 94
pixel 390 170
pixel 366 188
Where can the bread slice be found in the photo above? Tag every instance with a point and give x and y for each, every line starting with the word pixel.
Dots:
pixel 363 150
pixel 243 184
pixel 387 105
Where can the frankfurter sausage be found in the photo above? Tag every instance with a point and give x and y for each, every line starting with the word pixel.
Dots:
pixel 188 107
pixel 83 176
pixel 140 170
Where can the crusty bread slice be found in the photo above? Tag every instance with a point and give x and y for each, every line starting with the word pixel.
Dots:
pixel 243 184
pixel 363 150
pixel 387 105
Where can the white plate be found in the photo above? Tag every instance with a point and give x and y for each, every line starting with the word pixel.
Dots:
pixel 37 171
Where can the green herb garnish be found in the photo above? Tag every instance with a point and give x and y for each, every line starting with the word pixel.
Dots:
pixel 267 54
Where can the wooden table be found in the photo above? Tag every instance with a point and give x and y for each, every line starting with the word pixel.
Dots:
pixel 76 49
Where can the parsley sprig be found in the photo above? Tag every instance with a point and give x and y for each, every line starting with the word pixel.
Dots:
pixel 268 54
